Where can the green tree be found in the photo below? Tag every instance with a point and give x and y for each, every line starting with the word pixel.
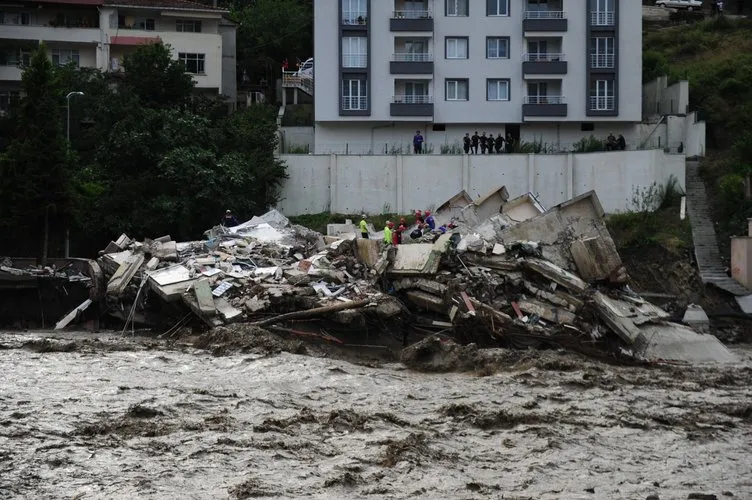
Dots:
pixel 155 78
pixel 36 171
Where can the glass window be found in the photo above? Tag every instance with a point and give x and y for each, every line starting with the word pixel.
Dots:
pixel 602 52
pixel 456 48
pixel 354 95
pixel 188 26
pixel 7 98
pixel 194 63
pixel 354 12
pixel 602 96
pixel 457 90
pixel 497 90
pixel 354 52
pixel 497 47
pixel 61 57
pixel 457 8
pixel 497 7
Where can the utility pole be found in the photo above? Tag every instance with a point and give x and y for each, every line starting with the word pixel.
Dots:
pixel 67 231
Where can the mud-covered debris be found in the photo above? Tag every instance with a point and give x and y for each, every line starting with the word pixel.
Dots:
pixel 347 480
pixel 346 420
pixel 251 488
pixel 413 448
pixel 500 419
pixel 47 345
pixel 141 411
pixel 306 416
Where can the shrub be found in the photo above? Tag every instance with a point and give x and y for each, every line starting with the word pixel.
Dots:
pixel 589 145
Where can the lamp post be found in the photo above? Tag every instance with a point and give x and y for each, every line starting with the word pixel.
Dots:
pixel 67 134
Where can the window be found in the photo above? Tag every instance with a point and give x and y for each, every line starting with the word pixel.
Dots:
pixel 23 18
pixel 7 98
pixel 354 52
pixel 194 63
pixel 354 95
pixel 136 23
pixel 602 96
pixel 602 52
pixel 354 12
pixel 61 57
pixel 587 127
pixel 497 48
pixel 188 26
pixel 497 90
pixel 601 12
pixel 15 57
pixel 538 93
pixel 456 48
pixel 497 7
pixel 457 90
pixel 413 51
pixel 457 8
pixel 415 92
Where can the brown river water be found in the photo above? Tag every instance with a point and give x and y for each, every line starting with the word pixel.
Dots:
pixel 90 416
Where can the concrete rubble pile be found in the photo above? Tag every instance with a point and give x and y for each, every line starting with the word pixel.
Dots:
pixel 68 272
pixel 265 266
pixel 516 273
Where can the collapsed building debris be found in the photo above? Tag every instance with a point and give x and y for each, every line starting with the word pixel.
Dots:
pixel 509 272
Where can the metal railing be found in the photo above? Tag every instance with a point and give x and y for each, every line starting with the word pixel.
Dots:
pixel 412 99
pixel 292 79
pixel 602 18
pixel 412 57
pixel 412 14
pixel 545 14
pixel 601 103
pixel 354 60
pixel 544 99
pixel 601 60
pixel 354 17
pixel 543 57
pixel 354 103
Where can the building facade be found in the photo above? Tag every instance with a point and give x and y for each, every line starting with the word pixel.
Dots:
pixel 99 33
pixel 544 70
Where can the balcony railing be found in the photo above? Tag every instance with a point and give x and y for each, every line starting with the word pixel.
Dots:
pixel 354 60
pixel 544 99
pixel 601 60
pixel 354 103
pixel 544 57
pixel 412 57
pixel 545 14
pixel 291 79
pixel 601 103
pixel 412 14
pixel 354 17
pixel 412 99
pixel 602 18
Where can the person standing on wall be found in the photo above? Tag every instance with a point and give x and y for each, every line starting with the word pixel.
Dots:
pixel 499 143
pixel 363 227
pixel 490 143
pixel 466 143
pixel 418 143
pixel 475 140
pixel 483 143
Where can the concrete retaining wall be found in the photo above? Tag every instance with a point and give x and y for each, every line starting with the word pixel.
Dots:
pixel 378 183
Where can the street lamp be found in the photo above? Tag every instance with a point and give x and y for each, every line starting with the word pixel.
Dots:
pixel 67 100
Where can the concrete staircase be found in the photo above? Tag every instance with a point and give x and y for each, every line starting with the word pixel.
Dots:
pixel 712 270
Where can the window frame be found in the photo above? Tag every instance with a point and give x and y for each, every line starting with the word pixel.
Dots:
pixel 456 3
pixel 610 84
pixel 508 84
pixel 456 38
pixel 347 82
pixel 457 82
pixel 72 55
pixel 362 43
pixel 180 25
pixel 497 3
pixel 497 38
pixel 609 55
pixel 199 58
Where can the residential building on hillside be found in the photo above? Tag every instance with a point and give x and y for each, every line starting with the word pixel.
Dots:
pixel 552 71
pixel 99 33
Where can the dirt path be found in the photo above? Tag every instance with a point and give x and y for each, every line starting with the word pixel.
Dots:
pixel 110 418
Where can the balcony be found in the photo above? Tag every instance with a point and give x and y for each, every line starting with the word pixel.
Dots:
pixel 544 20
pixel 544 64
pixel 601 106
pixel 603 19
pixel 354 103
pixel 544 106
pixel 355 19
pixel 602 61
pixel 411 20
pixel 411 105
pixel 411 63
pixel 290 79
pixel 49 33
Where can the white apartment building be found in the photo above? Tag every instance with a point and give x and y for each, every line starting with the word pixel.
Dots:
pixel 99 33
pixel 547 70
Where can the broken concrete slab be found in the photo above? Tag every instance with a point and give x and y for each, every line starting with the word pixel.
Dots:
pixel 171 292
pixel 226 310
pixel 426 285
pixel 523 208
pixel 170 275
pixel 674 342
pixel 204 298
pixel 124 274
pixel 695 317
pixel 745 303
pixel 68 318
pixel 368 251
pixel 547 312
pixel 415 259
pixel 165 250
pixel 592 256
pixel 556 274
pixel 426 301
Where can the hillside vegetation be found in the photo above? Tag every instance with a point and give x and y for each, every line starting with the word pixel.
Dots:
pixel 715 56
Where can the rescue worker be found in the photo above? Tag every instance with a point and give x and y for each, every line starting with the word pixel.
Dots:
pixel 229 220
pixel 430 221
pixel 401 230
pixel 388 232
pixel 395 235
pixel 363 227
pixel 418 217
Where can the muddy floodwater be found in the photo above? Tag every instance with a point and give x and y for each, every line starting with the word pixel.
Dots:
pixel 101 416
